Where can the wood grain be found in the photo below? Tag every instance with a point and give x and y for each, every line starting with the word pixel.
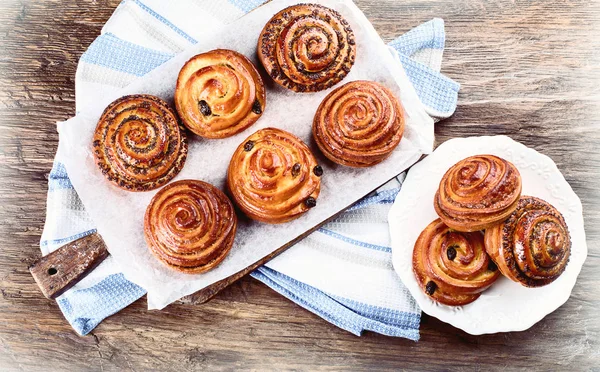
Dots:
pixel 528 69
pixel 66 266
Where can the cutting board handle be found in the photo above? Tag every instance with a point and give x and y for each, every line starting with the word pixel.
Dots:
pixel 66 266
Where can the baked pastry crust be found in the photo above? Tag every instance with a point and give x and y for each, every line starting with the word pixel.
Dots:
pixel 190 226
pixel 533 245
pixel 307 47
pixel 138 143
pixel 478 192
pixel 359 124
pixel 273 177
pixel 219 93
pixel 452 267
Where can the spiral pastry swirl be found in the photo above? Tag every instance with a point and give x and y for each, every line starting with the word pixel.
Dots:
pixel 219 93
pixel 478 192
pixel 359 124
pixel 273 177
pixel 533 245
pixel 190 226
pixel 452 267
pixel 139 144
pixel 307 47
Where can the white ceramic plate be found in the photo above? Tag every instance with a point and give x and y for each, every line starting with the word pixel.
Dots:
pixel 506 306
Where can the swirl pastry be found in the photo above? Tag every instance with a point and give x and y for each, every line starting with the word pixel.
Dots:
pixel 273 177
pixel 219 94
pixel 452 267
pixel 359 124
pixel 533 245
pixel 139 144
pixel 307 47
pixel 190 226
pixel 478 192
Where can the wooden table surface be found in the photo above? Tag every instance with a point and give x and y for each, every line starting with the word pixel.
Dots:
pixel 528 69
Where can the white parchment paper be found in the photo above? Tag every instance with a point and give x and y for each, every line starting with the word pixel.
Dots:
pixel 119 214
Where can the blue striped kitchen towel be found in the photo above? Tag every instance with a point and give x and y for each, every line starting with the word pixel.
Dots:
pixel 342 272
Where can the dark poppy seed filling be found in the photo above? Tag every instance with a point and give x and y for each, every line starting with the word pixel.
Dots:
pixel 204 108
pixel 318 171
pixel 138 143
pixel 249 146
pixel 307 47
pixel 430 287
pixel 533 246
pixel 310 202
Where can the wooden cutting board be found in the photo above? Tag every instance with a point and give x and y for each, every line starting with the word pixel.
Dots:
pixel 62 269
pixel 65 267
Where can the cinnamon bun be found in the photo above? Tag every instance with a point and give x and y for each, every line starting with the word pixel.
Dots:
pixel 533 245
pixel 359 124
pixel 478 192
pixel 452 267
pixel 190 226
pixel 273 177
pixel 307 47
pixel 139 144
pixel 219 93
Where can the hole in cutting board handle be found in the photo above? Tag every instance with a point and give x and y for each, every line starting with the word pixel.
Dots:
pixel 63 268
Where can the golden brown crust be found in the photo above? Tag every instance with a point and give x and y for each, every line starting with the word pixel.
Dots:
pixel 139 144
pixel 359 124
pixel 219 93
pixel 478 192
pixel 190 226
pixel 452 267
pixel 273 177
pixel 533 245
pixel 307 47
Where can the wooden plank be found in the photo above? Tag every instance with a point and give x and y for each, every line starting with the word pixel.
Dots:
pixel 66 266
